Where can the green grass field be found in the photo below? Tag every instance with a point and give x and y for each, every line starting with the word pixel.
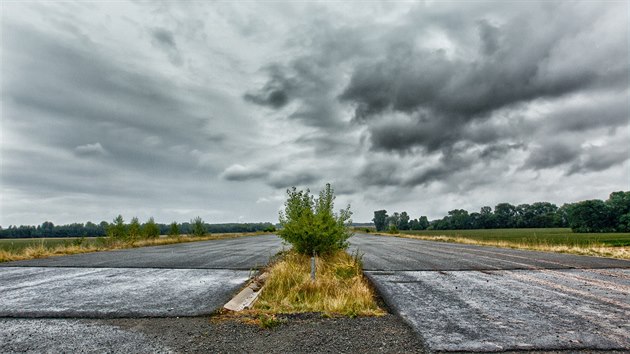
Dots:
pixel 552 236
pixel 17 244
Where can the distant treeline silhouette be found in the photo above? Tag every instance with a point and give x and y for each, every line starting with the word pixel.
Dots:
pixel 612 215
pixel 90 229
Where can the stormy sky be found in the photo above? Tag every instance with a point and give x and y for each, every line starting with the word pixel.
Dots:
pixel 174 110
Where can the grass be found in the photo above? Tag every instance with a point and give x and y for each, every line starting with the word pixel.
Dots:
pixel 23 249
pixel 339 287
pixel 614 245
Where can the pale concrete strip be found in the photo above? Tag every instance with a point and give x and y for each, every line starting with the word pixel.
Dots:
pixel 28 292
pixel 512 309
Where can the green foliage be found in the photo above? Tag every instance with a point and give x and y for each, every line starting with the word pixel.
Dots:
pixel 117 230
pixel 311 226
pixel 134 229
pixel 269 321
pixel 198 227
pixel 270 228
pixel 380 220
pixel 150 229
pixel 393 229
pixel 173 230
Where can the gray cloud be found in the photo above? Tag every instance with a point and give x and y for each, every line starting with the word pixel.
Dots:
pixel 552 155
pixel 177 110
pixel 90 150
pixel 165 40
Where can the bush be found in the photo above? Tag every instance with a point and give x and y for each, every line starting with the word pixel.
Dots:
pixel 311 226
pixel 198 227
pixel 393 229
pixel 270 228
pixel 150 229
pixel 173 230
pixel 117 230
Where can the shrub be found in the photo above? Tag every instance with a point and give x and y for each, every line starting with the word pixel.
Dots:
pixel 311 226
pixel 134 229
pixel 173 230
pixel 117 230
pixel 198 227
pixel 150 229
pixel 393 229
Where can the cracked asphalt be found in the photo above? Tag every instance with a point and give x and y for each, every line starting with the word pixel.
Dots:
pixel 472 298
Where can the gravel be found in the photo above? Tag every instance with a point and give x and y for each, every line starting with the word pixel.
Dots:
pixel 311 333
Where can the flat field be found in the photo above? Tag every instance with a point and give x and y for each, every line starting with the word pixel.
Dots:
pixel 550 236
pixel 18 244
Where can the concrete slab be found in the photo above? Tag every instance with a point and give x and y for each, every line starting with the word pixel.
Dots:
pixel 242 253
pixel 512 309
pixel 396 253
pixel 29 292
pixel 73 336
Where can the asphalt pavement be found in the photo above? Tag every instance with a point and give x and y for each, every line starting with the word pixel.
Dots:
pixel 472 298
pixel 186 279
pixel 241 253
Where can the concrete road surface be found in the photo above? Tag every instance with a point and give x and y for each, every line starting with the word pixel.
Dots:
pixel 188 279
pixel 471 298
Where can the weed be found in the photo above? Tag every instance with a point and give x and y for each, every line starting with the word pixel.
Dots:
pixel 268 321
pixel 339 287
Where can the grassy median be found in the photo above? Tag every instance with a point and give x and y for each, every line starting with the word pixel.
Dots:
pixel 18 249
pixel 339 287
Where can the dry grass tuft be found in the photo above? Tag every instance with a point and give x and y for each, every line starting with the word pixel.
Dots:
pixel 104 244
pixel 590 249
pixel 339 288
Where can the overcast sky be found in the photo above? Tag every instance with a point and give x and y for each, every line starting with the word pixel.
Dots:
pixel 174 110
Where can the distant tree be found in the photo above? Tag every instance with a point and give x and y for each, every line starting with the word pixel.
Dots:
pixel 150 229
pixel 198 227
pixel 403 223
pixel 504 214
pixel 459 219
pixel 589 216
pixel 117 230
pixel 134 232
pixel 173 230
pixel 486 218
pixel 380 220
pixel 618 204
pixel 393 220
pixel 423 222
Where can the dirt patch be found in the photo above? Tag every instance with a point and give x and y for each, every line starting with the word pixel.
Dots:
pixel 306 332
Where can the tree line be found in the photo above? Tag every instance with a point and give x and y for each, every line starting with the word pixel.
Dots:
pixel 134 227
pixel 611 215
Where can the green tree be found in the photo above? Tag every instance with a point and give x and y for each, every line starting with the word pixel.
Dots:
pixel 311 226
pixel 589 216
pixel 150 229
pixel 134 229
pixel 504 215
pixel 198 227
pixel 380 220
pixel 403 222
pixel 117 230
pixel 174 229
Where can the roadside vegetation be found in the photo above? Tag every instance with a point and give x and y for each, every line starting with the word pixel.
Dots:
pixel 562 240
pixel 119 236
pixel 313 229
pixel 588 216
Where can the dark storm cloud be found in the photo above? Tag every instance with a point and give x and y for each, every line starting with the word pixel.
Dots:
pixel 416 99
pixel 552 155
pixel 272 175
pixel 599 159
pixel 275 93
pixel 289 179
